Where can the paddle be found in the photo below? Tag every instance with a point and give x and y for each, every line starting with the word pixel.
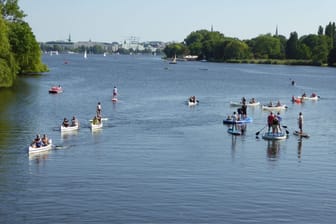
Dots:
pixel 258 132
pixel 284 126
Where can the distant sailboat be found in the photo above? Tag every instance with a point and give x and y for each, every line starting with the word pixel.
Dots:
pixel 104 54
pixel 173 61
pixel 85 54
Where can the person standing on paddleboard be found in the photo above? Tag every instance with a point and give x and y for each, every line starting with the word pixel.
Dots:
pixel 300 122
pixel 115 91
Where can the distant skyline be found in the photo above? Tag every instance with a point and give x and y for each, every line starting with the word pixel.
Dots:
pixel 155 20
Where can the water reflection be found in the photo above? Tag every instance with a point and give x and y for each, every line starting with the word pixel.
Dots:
pixel 299 149
pixel 273 148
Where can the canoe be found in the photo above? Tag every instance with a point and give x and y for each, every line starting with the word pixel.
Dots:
pixel 69 128
pixel 301 135
pixel 243 121
pixel 239 104
pixel 56 89
pixel 274 108
pixel 309 97
pixel 33 149
pixel 96 126
pixel 275 136
pixel 234 131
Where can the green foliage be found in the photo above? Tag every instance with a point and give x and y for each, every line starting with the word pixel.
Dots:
pixel 177 49
pixel 332 57
pixel 266 46
pixel 19 50
pixel 8 66
pixel 26 50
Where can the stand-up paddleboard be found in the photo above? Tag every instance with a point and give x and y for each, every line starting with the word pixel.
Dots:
pixel 302 135
pixel 114 99
pixel 234 131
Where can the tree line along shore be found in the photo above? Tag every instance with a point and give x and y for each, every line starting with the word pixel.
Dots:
pixel 313 49
pixel 20 53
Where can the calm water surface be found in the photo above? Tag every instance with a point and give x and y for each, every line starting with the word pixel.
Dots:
pixel 157 160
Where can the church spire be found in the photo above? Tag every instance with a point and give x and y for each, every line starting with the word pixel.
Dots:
pixel 276 31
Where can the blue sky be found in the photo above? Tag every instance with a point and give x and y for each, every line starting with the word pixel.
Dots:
pixel 117 20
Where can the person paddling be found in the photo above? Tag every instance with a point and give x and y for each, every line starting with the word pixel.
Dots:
pixel 300 122
pixel 99 109
pixel 115 91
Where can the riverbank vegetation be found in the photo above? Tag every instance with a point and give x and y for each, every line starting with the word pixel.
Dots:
pixel 312 49
pixel 19 51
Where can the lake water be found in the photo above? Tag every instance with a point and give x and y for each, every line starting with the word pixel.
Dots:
pixel 157 160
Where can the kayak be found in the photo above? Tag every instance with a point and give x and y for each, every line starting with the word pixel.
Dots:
pixel 242 121
pixel 274 108
pixel 239 104
pixel 301 135
pixel 274 136
pixel 233 131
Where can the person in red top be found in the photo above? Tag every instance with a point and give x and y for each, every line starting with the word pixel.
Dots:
pixel 270 119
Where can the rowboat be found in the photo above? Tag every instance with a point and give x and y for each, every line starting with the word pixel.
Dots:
pixel 301 135
pixel 242 121
pixel 274 136
pixel 239 104
pixel 56 89
pixel 34 149
pixel 69 128
pixel 274 108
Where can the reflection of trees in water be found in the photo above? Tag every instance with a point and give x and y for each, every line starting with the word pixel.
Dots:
pixel 273 148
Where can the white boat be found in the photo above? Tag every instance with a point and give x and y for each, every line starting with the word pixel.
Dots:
pixel 85 54
pixel 309 97
pixel 96 126
pixel 192 103
pixel 239 104
pixel 69 128
pixel 34 149
pixel 173 61
pixel 274 108
pixel 274 136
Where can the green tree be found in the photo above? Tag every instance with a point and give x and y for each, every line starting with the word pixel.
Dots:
pixel 11 11
pixel 236 49
pixel 8 66
pixel 332 57
pixel 25 48
pixel 177 49
pixel 266 46
pixel 292 46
